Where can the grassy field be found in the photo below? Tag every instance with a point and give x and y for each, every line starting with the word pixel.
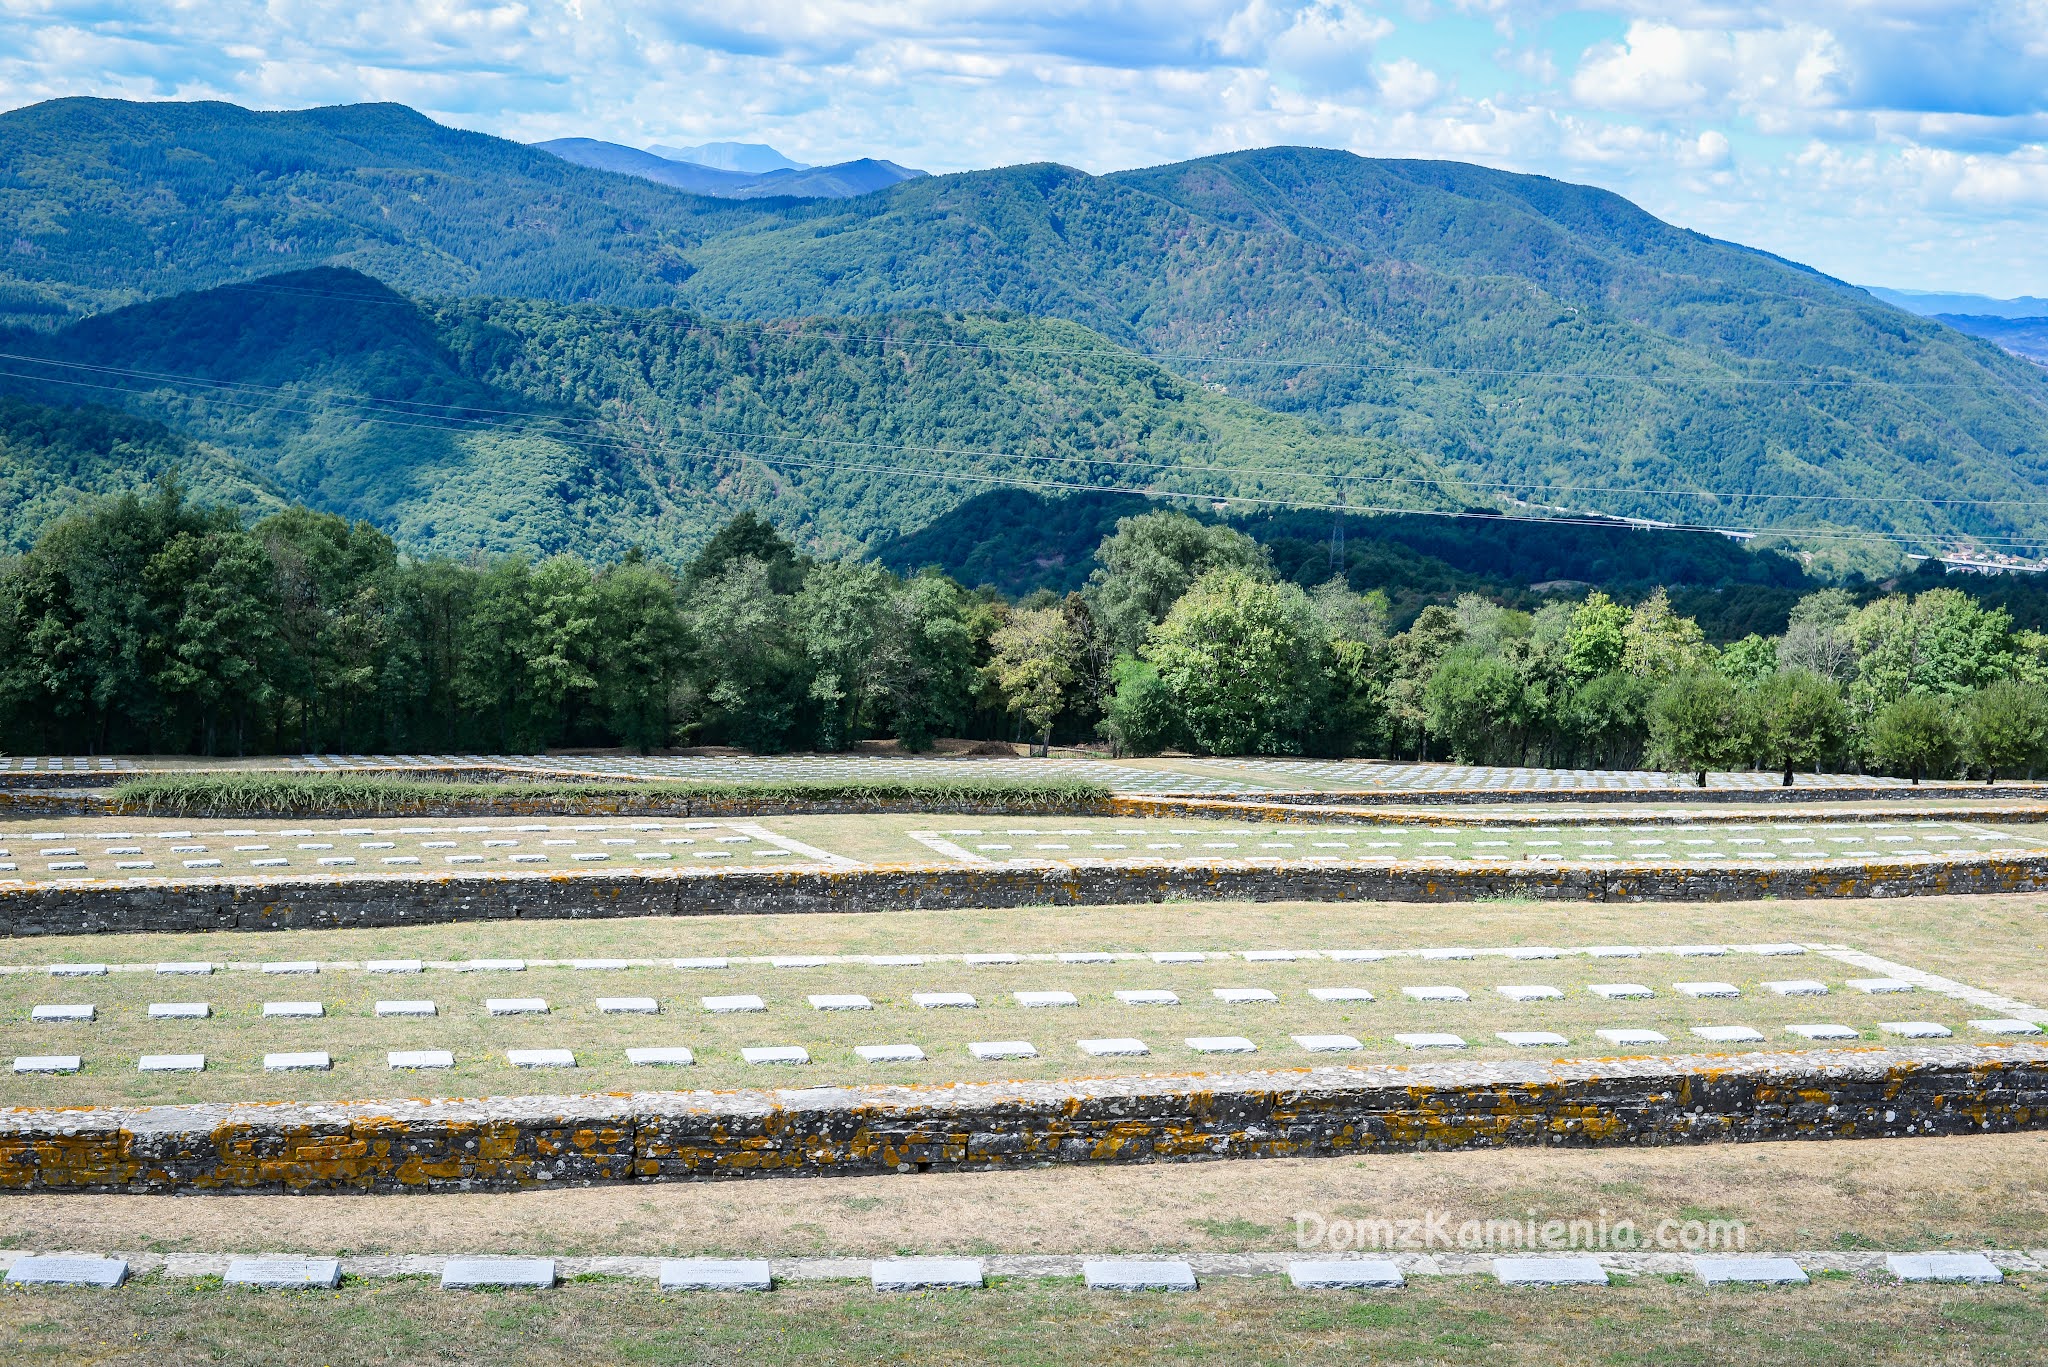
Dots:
pixel 1834 1321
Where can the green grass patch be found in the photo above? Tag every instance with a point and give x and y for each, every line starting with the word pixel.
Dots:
pixel 224 795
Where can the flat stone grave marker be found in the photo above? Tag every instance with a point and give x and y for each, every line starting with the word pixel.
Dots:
pixel 1880 986
pixel 1441 954
pixel 1614 952
pixel 62 1012
pixel 1327 1044
pixel 1041 999
pixel 1179 956
pixel 1699 951
pixel 1535 952
pixel 1355 956
pixel 179 1010
pixel 1549 1272
pixel 307 1061
pixel 1221 1044
pixel 460 1274
pixel 293 1010
pixel 490 966
pixel 406 1008
pixel 628 1006
pixel 1701 990
pixel 1942 1267
pixel 1331 1274
pixel 1243 996
pixel 78 970
pixel 1340 994
pixel 185 970
pixel 1768 1271
pixel 419 1058
pixel 671 1057
pixel 171 1063
pixel 934 1000
pixel 1429 1039
pixel 1824 1031
pixel 1105 1048
pixel 1775 951
pixel 47 1063
pixel 516 1006
pixel 1093 956
pixel 1437 994
pixel 2006 1027
pixel 1530 1039
pixel 842 1001
pixel 703 963
pixel 394 966
pixel 1729 1034
pixel 888 1053
pixel 1528 992
pixel 716 1274
pixel 1148 997
pixel 989 960
pixel 726 1006
pixel 1620 991
pixel 925 1274
pixel 1003 1048
pixel 540 1058
pixel 284 1273
pixel 1797 987
pixel 292 966
pixel 798 961
pixel 1127 1274
pixel 1632 1036
pixel 776 1053
pixel 1915 1029
pixel 45 1269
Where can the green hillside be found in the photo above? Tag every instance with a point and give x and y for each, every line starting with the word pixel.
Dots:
pixel 1550 342
pixel 521 426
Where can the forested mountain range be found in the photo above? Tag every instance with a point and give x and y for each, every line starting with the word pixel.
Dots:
pixel 840 181
pixel 521 426
pixel 1550 343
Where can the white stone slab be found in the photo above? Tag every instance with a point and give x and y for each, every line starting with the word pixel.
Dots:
pixel 1706 989
pixel 1766 1271
pixel 1221 1044
pixel 726 1006
pixel 293 967
pixel 1548 1272
pixel 703 963
pixel 840 1001
pixel 1042 999
pixel 628 1006
pixel 173 1011
pixel 490 966
pixel 56 1270
pixel 1003 1048
pixel 459 1274
pixel 1437 994
pixel 1340 994
pixel 673 1057
pixel 798 961
pixel 988 960
pixel 1531 1039
pixel 294 1010
pixel 394 966
pixel 1529 992
pixel 47 1063
pixel 925 1274
pixel 171 1063
pixel 406 1008
pixel 1243 996
pixel 284 1274
pixel 1632 1037
pixel 1614 952
pixel 1355 956
pixel 1797 987
pixel 1327 1044
pixel 1699 951
pixel 888 1053
pixel 419 1058
pixel 1428 1039
pixel 1620 991
pixel 1915 1029
pixel 540 1058
pixel 516 1006
pixel 1535 952
pixel 1108 1048
pixel 1823 1031
pixel 62 1012
pixel 776 1053
pixel 305 1061
pixel 1128 1274
pixel 1774 951
pixel 715 1274
pixel 1179 956
pixel 186 970
pixel 1880 986
pixel 2006 1026
pixel 1333 1274
pixel 1729 1034
pixel 1148 997
pixel 78 970
pixel 1942 1267
pixel 936 1000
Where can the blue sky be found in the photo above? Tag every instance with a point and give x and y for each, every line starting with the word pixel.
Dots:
pixel 1895 142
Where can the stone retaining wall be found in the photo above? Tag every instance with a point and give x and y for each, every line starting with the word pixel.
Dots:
pixel 530 1142
pixel 327 902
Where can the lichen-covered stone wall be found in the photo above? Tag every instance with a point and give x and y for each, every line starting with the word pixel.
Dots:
pixel 530 1142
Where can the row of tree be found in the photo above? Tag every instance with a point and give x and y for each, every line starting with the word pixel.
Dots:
pixel 151 624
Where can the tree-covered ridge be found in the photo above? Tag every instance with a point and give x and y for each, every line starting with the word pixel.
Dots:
pixel 515 426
